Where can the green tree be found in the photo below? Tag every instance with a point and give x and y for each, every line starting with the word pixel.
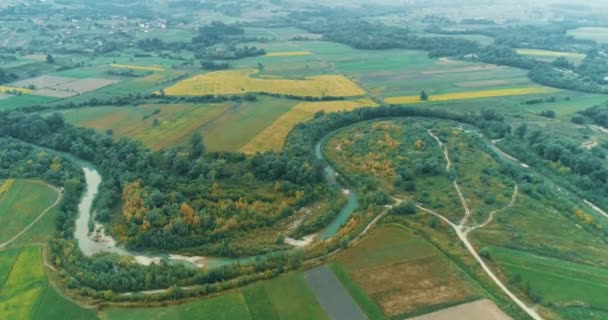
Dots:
pixel 424 96
pixel 521 131
pixel 50 59
pixel 197 147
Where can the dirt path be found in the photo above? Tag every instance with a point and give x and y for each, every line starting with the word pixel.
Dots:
pixel 443 149
pixel 59 197
pixel 596 208
pixel 462 232
pixel 493 213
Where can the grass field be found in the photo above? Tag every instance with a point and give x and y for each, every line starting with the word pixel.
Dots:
pixel 218 123
pixel 590 33
pixel 556 281
pixel 241 81
pixel 471 95
pixel 403 273
pixel 287 297
pixel 21 204
pixel 273 137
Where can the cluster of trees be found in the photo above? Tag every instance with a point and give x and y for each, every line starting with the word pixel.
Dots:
pixel 365 35
pixel 18 160
pixel 178 198
pixel 596 115
pixel 230 53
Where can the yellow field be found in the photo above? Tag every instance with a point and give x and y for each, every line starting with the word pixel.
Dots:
pixel 240 81
pixel 125 66
pixel 548 53
pixel 4 89
pixel 471 95
pixel 288 54
pixel 273 137
pixel 6 186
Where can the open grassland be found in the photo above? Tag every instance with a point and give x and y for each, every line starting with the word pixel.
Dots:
pixel 225 126
pixel 590 33
pixel 133 67
pixel 548 53
pixel 273 137
pixel 403 273
pixel 241 81
pixel 471 95
pixel 287 297
pixel 21 204
pixel 288 54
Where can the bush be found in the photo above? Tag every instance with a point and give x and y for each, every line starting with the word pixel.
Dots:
pixel 405 208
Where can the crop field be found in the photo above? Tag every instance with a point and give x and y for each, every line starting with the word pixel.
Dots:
pixel 145 68
pixel 21 204
pixel 288 54
pixel 176 122
pixel 7 89
pixel 403 273
pixel 549 277
pixel 471 95
pixel 273 137
pixel 590 33
pixel 548 53
pixel 61 87
pixel 241 81
pixel 477 310
pixel 386 73
pixel 25 292
pixel 332 295
pixel 287 297
pixel 13 101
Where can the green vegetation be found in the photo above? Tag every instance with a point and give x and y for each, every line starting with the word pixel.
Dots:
pixel 22 204
pixel 544 278
pixel 226 307
pixel 286 297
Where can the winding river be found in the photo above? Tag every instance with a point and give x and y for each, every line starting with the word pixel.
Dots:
pixel 99 242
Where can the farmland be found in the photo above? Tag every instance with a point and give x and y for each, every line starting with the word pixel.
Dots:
pixel 392 261
pixel 20 204
pixel 287 297
pixel 177 122
pixel 471 95
pixel 25 292
pixel 242 81
pixel 420 160
pixel 273 137
pixel 590 33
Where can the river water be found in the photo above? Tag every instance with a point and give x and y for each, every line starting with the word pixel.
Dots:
pixel 99 241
